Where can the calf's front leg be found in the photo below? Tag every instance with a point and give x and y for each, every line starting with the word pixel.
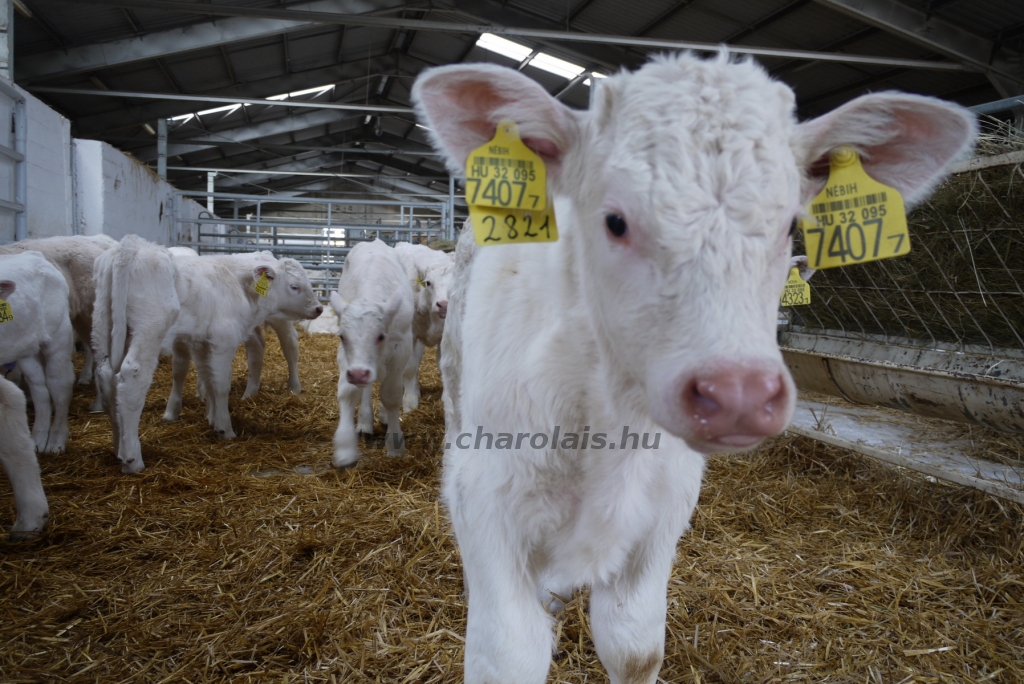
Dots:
pixel 288 336
pixel 255 346
pixel 180 362
pixel 346 447
pixel 218 388
pixel 411 399
pixel 32 369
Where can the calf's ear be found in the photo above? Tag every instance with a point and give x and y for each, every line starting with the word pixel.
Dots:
pixel 261 270
pixel 7 288
pixel 462 105
pixel 905 141
pixel 337 303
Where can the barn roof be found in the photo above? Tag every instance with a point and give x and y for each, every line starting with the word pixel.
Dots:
pixel 356 61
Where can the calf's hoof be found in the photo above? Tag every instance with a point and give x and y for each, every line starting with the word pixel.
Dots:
pixel 410 404
pixel 343 458
pixel 295 387
pixel 364 428
pixel 251 392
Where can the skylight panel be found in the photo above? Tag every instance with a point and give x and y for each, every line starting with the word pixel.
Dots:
pixel 594 74
pixel 556 66
pixel 489 41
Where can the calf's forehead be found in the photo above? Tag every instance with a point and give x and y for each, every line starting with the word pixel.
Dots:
pixel 701 133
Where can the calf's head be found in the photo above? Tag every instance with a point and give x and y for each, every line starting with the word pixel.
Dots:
pixel 363 327
pixel 296 297
pixel 432 286
pixel 676 197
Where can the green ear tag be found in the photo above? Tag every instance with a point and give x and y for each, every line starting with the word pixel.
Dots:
pixel 856 219
pixel 506 190
pixel 797 291
pixel 262 285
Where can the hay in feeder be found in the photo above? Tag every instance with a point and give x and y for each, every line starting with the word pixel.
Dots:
pixel 962 282
pixel 223 561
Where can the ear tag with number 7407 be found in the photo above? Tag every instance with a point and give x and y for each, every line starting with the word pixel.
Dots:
pixel 506 190
pixel 855 219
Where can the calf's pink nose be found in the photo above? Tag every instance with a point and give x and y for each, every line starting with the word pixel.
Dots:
pixel 736 406
pixel 360 377
pixel 442 308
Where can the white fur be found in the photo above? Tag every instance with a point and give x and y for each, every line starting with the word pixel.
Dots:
pixel 374 305
pixel 219 311
pixel 18 457
pixel 41 340
pixel 74 257
pixel 138 293
pixel 707 164
pixel 429 273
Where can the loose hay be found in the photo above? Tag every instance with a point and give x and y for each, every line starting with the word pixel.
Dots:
pixel 806 563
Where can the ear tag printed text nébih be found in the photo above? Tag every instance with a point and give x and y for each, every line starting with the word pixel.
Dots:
pixel 506 190
pixel 262 285
pixel 797 291
pixel 6 315
pixel 855 219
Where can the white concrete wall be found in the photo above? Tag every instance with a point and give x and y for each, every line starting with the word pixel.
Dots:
pixel 118 195
pixel 49 196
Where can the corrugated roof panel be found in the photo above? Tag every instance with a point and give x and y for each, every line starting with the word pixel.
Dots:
pixel 440 47
pixel 985 18
pixel 258 63
pixel 360 39
pixel 810 28
pixel 608 16
pixel 199 71
pixel 146 77
pixel 310 52
pixel 695 24
pixel 542 8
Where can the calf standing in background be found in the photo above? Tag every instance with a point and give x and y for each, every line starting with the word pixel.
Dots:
pixel 138 293
pixel 429 271
pixel 40 339
pixel 74 257
pixel 654 312
pixel 375 309
pixel 18 457
pixel 282 324
pixel 221 306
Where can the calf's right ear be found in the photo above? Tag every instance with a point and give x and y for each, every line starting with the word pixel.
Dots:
pixel 462 105
pixel 337 303
pixel 7 288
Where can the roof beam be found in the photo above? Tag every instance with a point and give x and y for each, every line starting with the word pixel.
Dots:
pixel 930 31
pixel 94 125
pixel 542 34
pixel 84 58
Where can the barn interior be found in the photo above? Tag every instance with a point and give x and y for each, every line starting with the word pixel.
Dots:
pixel 877 540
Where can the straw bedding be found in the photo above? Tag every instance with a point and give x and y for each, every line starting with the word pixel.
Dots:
pixel 224 561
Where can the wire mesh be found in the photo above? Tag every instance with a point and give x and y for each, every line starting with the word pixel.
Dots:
pixel 960 286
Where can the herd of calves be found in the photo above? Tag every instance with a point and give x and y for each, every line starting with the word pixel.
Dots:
pixel 654 312
pixel 130 301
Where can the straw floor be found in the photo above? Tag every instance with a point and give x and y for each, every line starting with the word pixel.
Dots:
pixel 222 561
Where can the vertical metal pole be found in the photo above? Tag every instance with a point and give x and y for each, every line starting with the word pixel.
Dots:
pixel 21 171
pixel 259 221
pixel 329 262
pixel 210 175
pixel 450 224
pixel 161 148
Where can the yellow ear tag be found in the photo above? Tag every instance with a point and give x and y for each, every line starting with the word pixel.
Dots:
pixel 797 291
pixel 6 315
pixel 262 285
pixel 856 219
pixel 506 190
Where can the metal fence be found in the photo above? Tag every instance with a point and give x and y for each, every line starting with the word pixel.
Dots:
pixel 317 232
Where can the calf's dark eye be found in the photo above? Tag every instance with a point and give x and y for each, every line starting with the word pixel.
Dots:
pixel 616 224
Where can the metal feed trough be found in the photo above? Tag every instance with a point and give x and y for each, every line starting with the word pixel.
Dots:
pixel 316 232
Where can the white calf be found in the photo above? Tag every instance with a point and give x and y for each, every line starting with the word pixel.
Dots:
pixel 41 340
pixel 18 457
pixel 374 307
pixel 654 314
pixel 220 309
pixel 138 292
pixel 74 257
pixel 254 346
pixel 429 272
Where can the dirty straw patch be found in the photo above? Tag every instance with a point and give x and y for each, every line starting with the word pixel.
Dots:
pixel 806 563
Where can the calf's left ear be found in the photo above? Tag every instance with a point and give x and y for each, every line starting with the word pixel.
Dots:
pixel 905 141
pixel 261 270
pixel 462 105
pixel 7 288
